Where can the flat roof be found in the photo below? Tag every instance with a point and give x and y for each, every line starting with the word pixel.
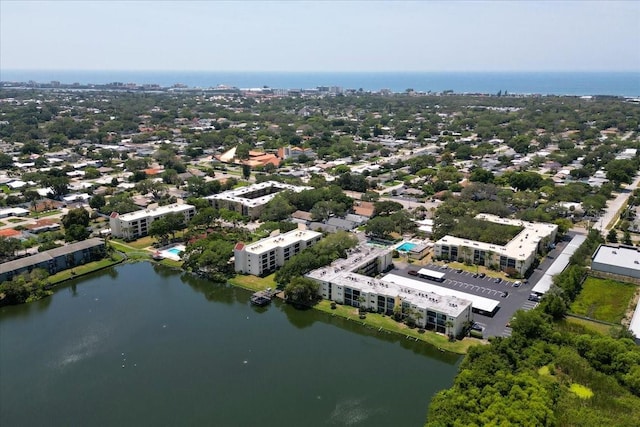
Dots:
pixel 280 240
pixel 623 257
pixel 432 273
pixel 448 304
pixel 238 194
pixel 358 256
pixel 159 211
pixel 520 247
pixel 558 266
pixel 478 302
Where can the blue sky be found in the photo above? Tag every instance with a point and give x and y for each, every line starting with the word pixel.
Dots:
pixel 321 35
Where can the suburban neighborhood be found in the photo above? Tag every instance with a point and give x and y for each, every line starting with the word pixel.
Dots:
pixel 461 220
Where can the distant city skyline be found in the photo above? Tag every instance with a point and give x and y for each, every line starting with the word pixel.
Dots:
pixel 320 36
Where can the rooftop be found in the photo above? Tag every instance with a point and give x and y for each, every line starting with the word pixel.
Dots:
pixel 243 194
pixel 418 286
pixel 159 211
pixel 561 262
pixel 358 256
pixel 622 256
pixel 279 240
pixel 520 247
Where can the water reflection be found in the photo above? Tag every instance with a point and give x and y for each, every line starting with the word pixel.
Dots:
pixel 150 345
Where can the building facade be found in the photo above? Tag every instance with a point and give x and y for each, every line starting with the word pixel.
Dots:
pixel 250 201
pixel 620 260
pixel 517 256
pixel 266 255
pixel 137 224
pixel 55 260
pixel 350 282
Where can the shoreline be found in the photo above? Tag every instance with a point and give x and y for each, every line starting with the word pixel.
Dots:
pixel 254 284
pixel 371 320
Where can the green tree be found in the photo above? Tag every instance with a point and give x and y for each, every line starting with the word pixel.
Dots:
pixel 301 290
pixel 78 216
pixel 98 201
pixel 210 258
pixel 76 232
pixel 246 171
pixel 553 305
pixel 380 227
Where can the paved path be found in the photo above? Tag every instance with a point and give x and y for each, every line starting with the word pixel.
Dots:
pixel 614 206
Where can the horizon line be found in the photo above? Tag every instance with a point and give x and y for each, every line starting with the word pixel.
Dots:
pixel 311 71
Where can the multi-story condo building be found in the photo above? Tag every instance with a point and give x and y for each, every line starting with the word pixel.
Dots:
pixel 136 224
pixel 250 200
pixel 266 255
pixel 348 281
pixel 515 256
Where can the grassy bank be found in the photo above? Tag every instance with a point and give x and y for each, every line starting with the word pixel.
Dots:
pixel 603 299
pixel 254 283
pixel 81 270
pixel 387 323
pixel 374 320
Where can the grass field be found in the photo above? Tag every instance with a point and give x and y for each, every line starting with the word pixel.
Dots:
pixel 603 299
pixel 254 283
pixel 84 269
pixel 579 326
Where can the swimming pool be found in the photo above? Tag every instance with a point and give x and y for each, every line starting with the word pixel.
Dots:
pixel 406 247
pixel 175 251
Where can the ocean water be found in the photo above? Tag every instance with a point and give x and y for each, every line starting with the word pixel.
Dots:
pixel 545 83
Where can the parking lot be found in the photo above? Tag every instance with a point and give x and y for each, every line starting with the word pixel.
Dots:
pixel 510 295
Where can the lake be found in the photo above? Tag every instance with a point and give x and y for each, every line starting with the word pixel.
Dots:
pixel 141 344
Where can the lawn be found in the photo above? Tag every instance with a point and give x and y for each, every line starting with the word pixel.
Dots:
pixel 387 323
pixel 43 214
pixel 373 320
pixel 84 269
pixel 580 326
pixel 132 252
pixel 254 283
pixel 603 299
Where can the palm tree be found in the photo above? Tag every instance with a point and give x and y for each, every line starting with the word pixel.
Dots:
pixel 448 325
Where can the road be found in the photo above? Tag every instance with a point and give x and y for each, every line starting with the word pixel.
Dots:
pixel 614 206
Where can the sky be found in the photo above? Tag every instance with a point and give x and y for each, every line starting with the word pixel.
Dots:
pixel 320 35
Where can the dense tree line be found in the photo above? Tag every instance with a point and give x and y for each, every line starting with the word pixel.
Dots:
pixel 327 250
pixel 526 379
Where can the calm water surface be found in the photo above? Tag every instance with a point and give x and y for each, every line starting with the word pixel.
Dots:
pixel 143 345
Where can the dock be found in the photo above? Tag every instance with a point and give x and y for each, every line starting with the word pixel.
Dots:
pixel 262 298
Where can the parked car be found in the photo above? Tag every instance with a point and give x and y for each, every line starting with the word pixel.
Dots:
pixel 459 270
pixel 475 274
pixel 477 327
pixel 505 294
pixel 534 297
pixel 412 273
pixel 497 280
pixel 482 275
pixel 517 284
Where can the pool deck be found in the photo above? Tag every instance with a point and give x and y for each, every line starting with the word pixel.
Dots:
pixel 166 253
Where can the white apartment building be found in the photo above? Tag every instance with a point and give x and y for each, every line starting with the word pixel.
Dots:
pixel 266 255
pixel 136 224
pixel 344 283
pixel 517 255
pixel 250 200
